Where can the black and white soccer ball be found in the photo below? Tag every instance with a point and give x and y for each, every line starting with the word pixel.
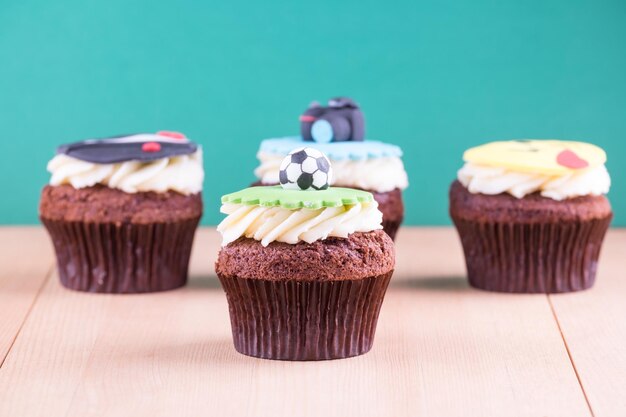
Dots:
pixel 305 168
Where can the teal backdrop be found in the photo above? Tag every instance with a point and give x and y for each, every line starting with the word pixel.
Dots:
pixel 433 76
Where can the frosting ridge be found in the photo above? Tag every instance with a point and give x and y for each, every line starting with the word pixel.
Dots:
pixel 495 180
pixel 269 224
pixel 182 173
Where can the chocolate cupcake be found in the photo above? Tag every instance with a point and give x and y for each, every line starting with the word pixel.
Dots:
pixel 532 215
pixel 339 131
pixel 305 272
pixel 122 212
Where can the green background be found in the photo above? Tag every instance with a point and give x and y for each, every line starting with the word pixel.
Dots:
pixel 433 76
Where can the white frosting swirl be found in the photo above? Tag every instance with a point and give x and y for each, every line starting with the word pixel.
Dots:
pixel 183 174
pixel 495 180
pixel 269 224
pixel 375 174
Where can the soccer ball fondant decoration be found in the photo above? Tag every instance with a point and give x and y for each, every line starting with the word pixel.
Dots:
pixel 341 121
pixel 305 168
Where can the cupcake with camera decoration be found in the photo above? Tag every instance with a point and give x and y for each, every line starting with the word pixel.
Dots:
pixel 122 211
pixel 532 214
pixel 305 266
pixel 338 130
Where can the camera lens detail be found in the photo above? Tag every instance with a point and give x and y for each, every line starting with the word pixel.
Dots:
pixel 340 121
pixel 322 131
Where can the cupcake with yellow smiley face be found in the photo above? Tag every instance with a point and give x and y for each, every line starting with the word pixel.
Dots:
pixel 532 214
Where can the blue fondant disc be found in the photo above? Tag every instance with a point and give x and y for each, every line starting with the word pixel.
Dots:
pixel 349 150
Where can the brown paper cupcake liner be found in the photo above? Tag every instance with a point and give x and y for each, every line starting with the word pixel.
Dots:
pixel 532 258
pixel 304 320
pixel 122 258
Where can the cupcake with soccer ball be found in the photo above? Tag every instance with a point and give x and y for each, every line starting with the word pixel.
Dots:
pixel 338 130
pixel 122 211
pixel 532 214
pixel 304 266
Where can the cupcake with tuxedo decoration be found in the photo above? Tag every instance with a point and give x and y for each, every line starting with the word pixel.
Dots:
pixel 305 266
pixel 532 214
pixel 338 130
pixel 122 211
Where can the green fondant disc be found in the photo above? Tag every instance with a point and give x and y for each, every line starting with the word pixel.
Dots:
pixel 276 196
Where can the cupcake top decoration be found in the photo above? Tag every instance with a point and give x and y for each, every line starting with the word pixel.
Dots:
pixel 275 196
pixel 349 151
pixel 550 157
pixel 342 120
pixel 136 147
pixel 158 162
pixel 298 210
pixel 304 169
pixel 569 159
pixel 556 169
pixel 338 130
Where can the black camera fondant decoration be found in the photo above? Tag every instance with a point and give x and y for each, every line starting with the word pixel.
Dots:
pixel 142 147
pixel 341 121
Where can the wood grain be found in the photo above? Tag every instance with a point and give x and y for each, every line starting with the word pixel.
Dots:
pixel 594 325
pixel 442 349
pixel 26 259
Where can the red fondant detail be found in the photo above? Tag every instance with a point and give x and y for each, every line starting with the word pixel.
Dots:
pixel 151 147
pixel 307 118
pixel 569 159
pixel 169 134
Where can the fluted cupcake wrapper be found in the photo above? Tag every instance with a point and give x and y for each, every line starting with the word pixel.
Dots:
pixel 122 258
pixel 532 257
pixel 304 320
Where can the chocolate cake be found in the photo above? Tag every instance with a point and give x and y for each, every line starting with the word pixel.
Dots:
pixel 358 256
pixel 391 205
pixel 531 245
pixel 532 215
pixel 119 222
pixel 306 301
pixel 100 204
pixel 305 273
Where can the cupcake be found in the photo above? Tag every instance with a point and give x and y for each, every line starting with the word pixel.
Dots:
pixel 122 211
pixel 338 130
pixel 532 214
pixel 305 267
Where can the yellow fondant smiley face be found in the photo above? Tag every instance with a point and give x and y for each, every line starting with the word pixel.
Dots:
pixel 549 157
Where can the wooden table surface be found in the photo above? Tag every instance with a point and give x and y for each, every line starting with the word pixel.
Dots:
pixel 441 349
